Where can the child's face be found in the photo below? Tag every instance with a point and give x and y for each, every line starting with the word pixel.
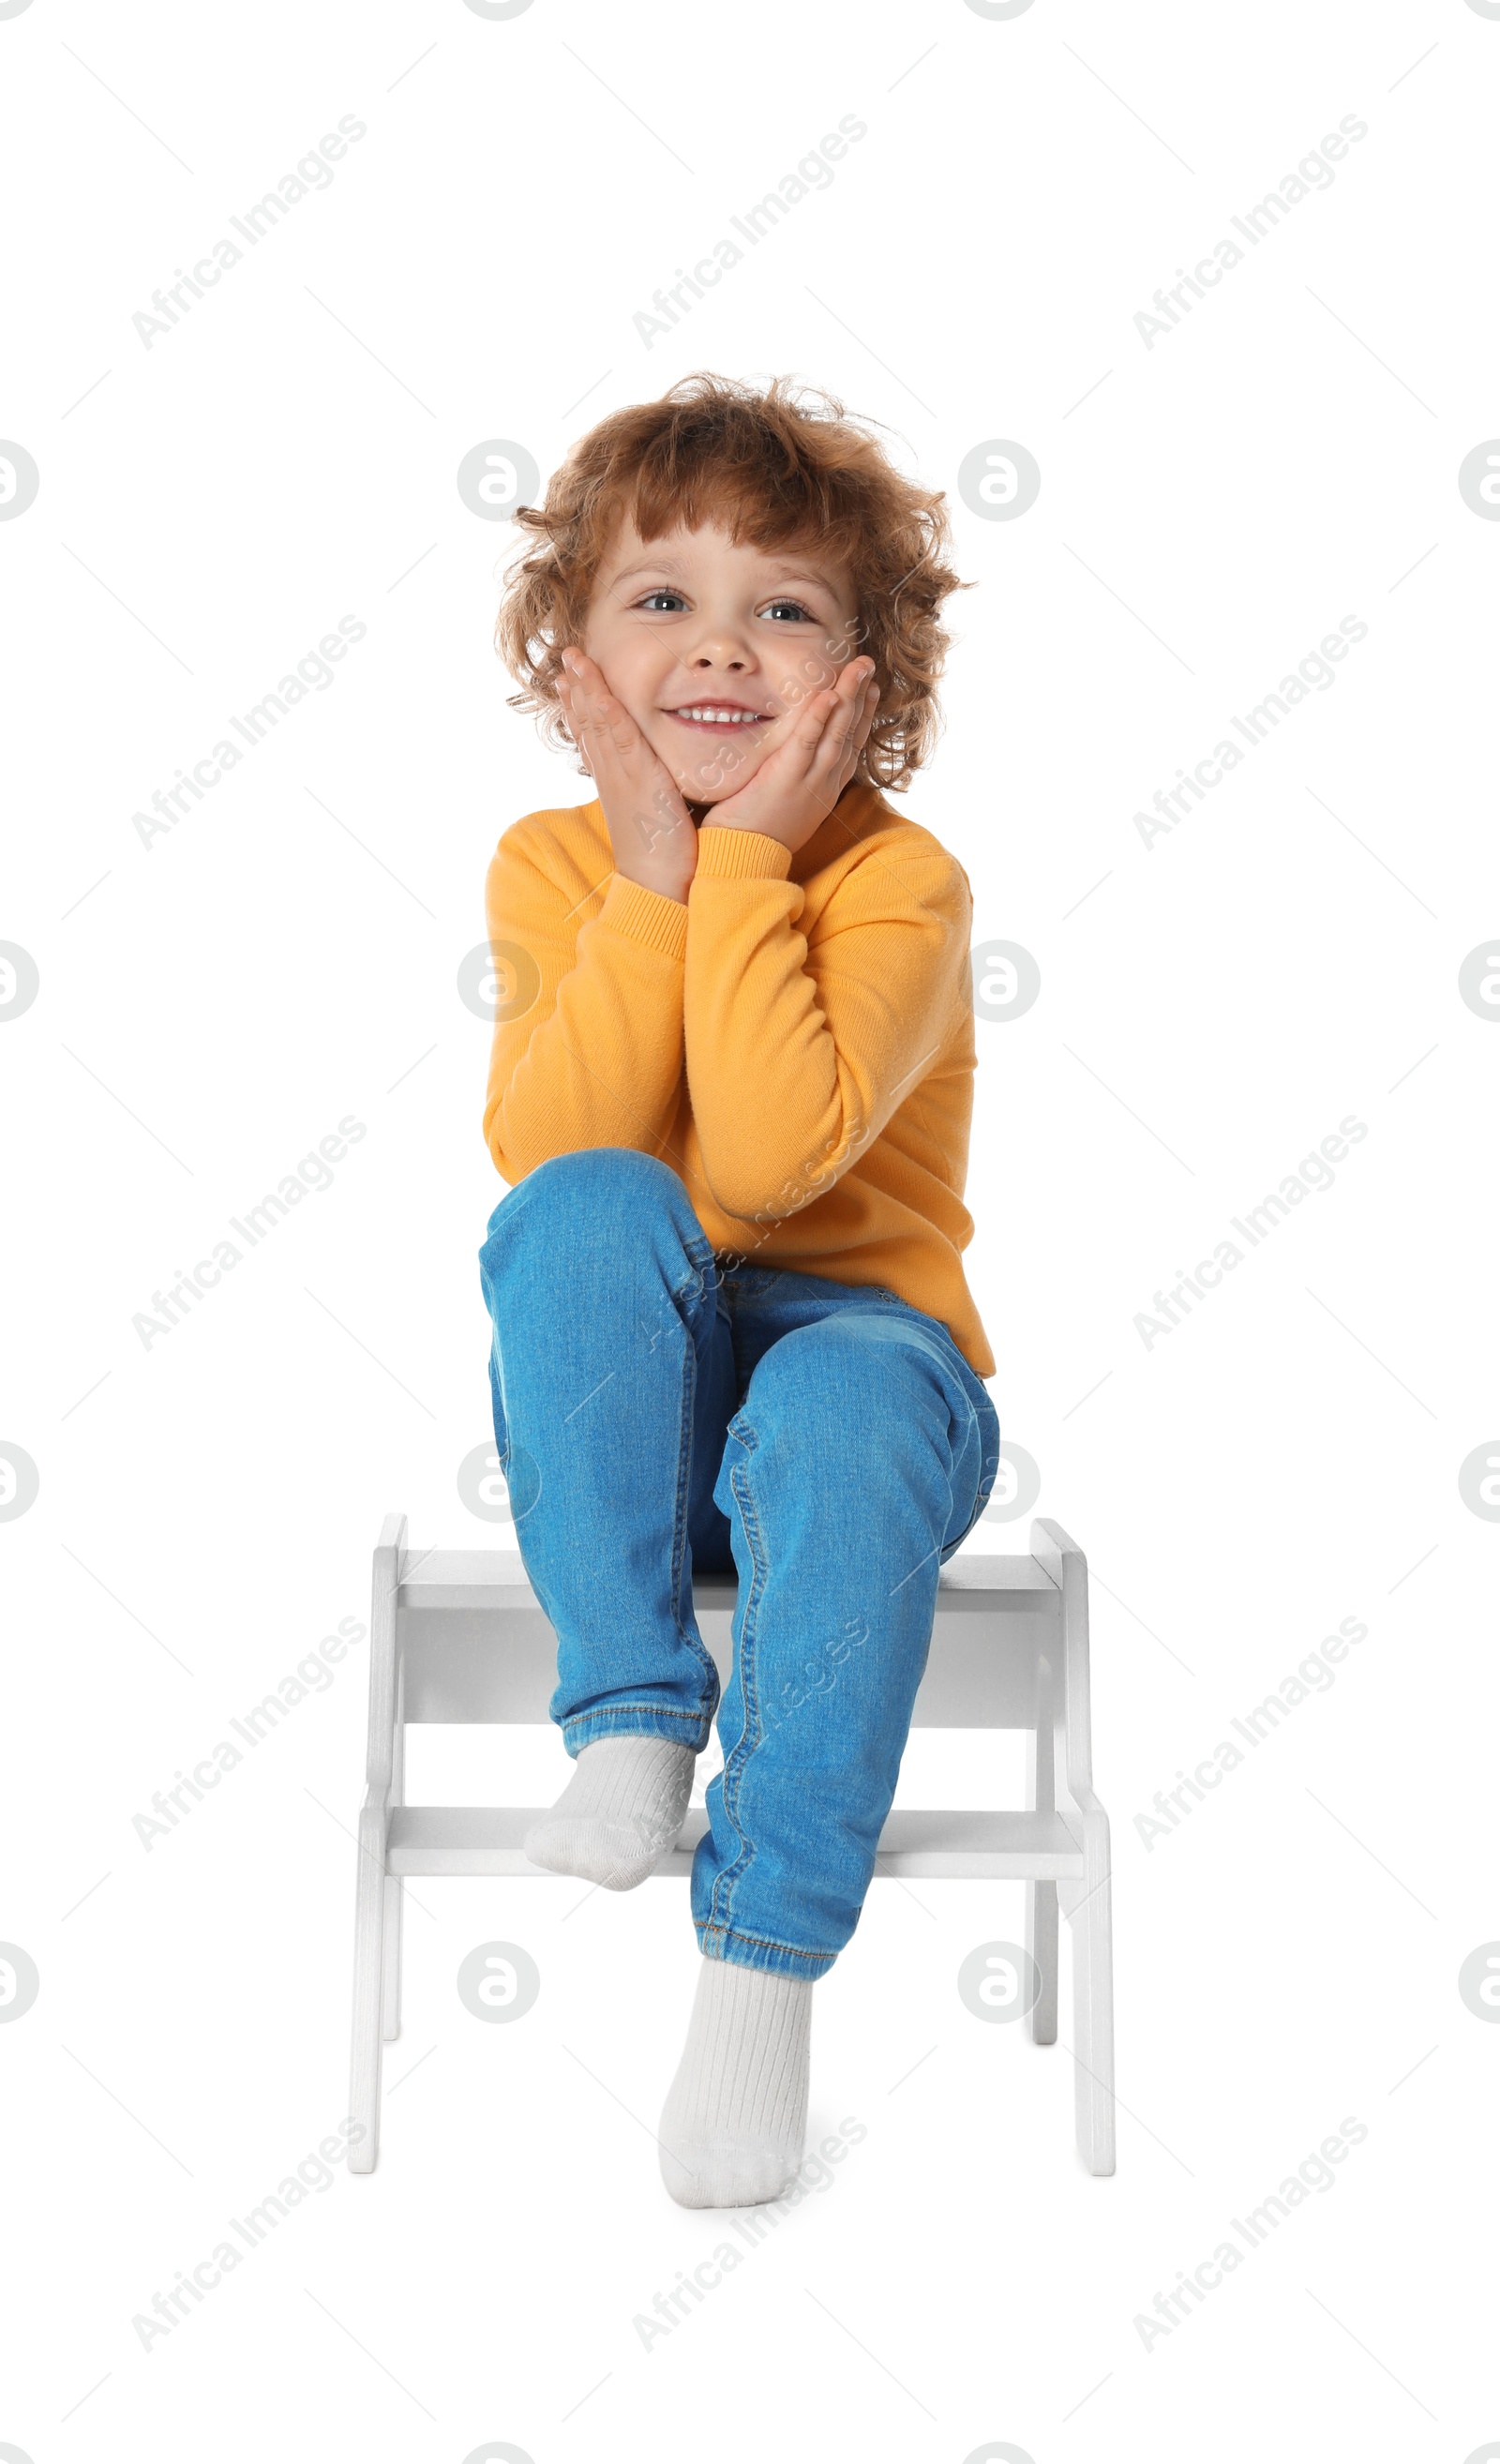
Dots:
pixel 690 622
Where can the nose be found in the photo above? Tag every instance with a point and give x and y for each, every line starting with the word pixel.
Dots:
pixel 720 644
pixel 730 660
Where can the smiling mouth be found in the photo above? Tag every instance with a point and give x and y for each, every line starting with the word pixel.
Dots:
pixel 723 715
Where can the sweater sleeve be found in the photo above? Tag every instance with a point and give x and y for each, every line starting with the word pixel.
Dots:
pixel 589 1042
pixel 798 1052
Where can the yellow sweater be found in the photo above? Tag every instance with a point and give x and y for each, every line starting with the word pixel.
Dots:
pixel 796 1041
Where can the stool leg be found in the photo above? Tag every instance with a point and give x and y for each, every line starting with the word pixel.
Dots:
pixel 1042 1944
pixel 1041 1897
pixel 369 1930
pixel 1085 1903
pixel 1087 1906
pixel 391 1960
pixel 373 2007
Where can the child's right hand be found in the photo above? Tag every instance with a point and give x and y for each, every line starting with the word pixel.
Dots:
pixel 651 828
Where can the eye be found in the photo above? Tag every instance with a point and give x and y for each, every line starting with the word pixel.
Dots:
pixel 664 591
pixel 790 609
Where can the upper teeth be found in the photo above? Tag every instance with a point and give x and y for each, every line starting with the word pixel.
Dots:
pixel 729 717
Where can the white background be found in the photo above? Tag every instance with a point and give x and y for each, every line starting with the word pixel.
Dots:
pixel 1212 1007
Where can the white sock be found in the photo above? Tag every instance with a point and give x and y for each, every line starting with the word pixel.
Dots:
pixel 735 2123
pixel 620 1812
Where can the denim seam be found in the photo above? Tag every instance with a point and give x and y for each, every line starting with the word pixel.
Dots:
pixel 692 1283
pixel 767 1942
pixel 630 1710
pixel 978 1507
pixel 982 1495
pixel 723 1897
pixel 969 1526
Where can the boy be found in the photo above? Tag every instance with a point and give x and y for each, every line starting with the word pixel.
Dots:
pixel 731 1087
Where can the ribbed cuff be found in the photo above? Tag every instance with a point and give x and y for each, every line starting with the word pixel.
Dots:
pixel 740 855
pixel 646 915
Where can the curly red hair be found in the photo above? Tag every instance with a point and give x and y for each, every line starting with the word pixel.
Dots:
pixel 777 466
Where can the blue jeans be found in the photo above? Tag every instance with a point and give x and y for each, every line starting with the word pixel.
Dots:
pixel 659 1416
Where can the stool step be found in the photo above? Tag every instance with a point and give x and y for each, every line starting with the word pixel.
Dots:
pixel 977 1847
pixel 476 1645
pixel 495 1579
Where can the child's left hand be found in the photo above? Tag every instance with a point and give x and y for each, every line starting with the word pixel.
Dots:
pixel 809 761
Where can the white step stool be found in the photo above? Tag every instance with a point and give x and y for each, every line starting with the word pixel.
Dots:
pixel 459 1634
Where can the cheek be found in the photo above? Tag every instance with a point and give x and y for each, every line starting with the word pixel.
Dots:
pixel 626 666
pixel 803 669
